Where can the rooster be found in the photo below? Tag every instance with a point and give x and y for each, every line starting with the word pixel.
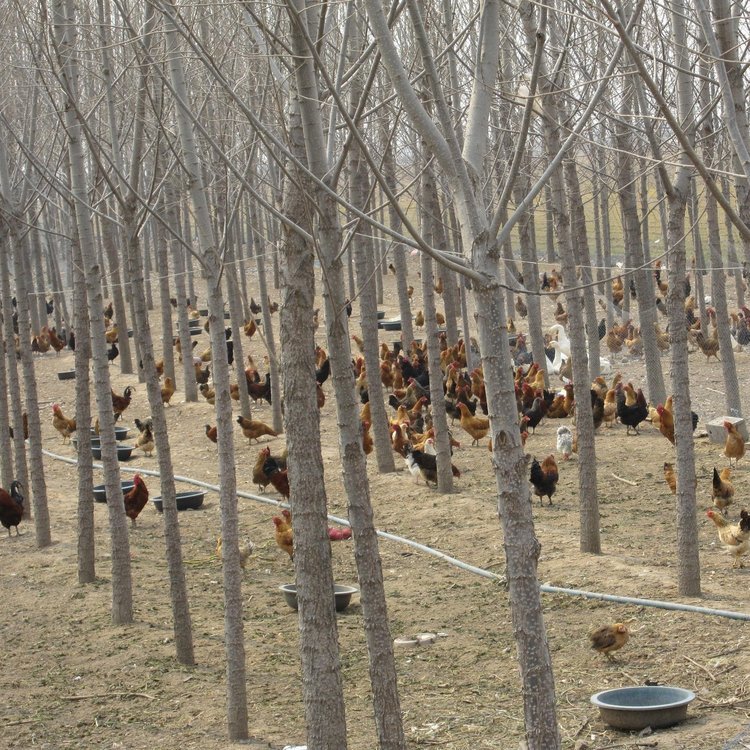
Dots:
pixel 135 499
pixel 11 506
pixel 544 478
pixel 276 476
pixel 722 490
pixel 120 403
pixel 734 536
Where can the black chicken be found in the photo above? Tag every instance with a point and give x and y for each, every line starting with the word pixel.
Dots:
pixel 544 478
pixel 113 352
pixel 323 372
pixel 630 416
pixel 11 506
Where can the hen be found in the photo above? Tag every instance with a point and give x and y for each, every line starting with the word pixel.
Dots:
pixel 66 427
pixel 544 478
pixel 609 638
pixel 11 506
pixel 722 490
pixel 212 433
pixel 136 498
pixel 477 427
pixel 284 535
pixel 734 536
pixel 167 390
pixel 145 441
pixel 564 441
pixel 253 429
pixel 734 446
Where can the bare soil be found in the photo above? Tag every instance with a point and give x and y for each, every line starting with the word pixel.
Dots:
pixel 72 679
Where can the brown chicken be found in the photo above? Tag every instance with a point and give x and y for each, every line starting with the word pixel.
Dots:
pixel 666 423
pixel 66 427
pixel 419 319
pixel 253 429
pixel 111 334
pixel 709 346
pixel 208 393
pixel 212 433
pixel 167 390
pixel 55 342
pixel 120 403
pixel 250 328
pixel 477 427
pixel 145 441
pixel 670 477
pixel 609 638
pixel 367 444
pixel 722 490
pixel 734 446
pixel 277 476
pixel 136 498
pixel 734 536
pixel 284 535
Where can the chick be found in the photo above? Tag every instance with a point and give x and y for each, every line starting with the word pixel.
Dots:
pixel 609 638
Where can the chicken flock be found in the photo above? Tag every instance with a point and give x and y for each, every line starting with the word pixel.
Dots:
pixel 404 374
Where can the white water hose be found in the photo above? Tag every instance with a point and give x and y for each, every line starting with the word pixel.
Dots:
pixel 676 606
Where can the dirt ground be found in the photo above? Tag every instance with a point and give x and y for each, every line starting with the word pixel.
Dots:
pixel 71 679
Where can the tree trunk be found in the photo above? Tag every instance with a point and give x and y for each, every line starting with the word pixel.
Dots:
pixel 122 595
pixel 234 642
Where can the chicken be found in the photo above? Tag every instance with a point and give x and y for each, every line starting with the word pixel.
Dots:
pixel 521 308
pixel 245 551
pixel 722 490
pixel 666 423
pixel 544 478
pixel 709 346
pixel 66 427
pixel 259 390
pixel 670 477
pixel 734 446
pixel 610 408
pixel 367 443
pixel 630 416
pixel 477 427
pixel 55 341
pixel 208 393
pixel 734 536
pixel 609 638
pixel 250 328
pixel 419 319
pixel 25 423
pixel 136 498
pixel 253 429
pixel 167 390
pixel 277 476
pixel 145 441
pixel 564 441
pixel 111 334
pixel 358 341
pixel 202 374
pixel 284 535
pixel 141 426
pixel 212 433
pixel 11 506
pixel 120 403
pixel 113 352
pixel 421 464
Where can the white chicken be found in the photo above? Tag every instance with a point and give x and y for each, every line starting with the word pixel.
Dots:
pixel 564 441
